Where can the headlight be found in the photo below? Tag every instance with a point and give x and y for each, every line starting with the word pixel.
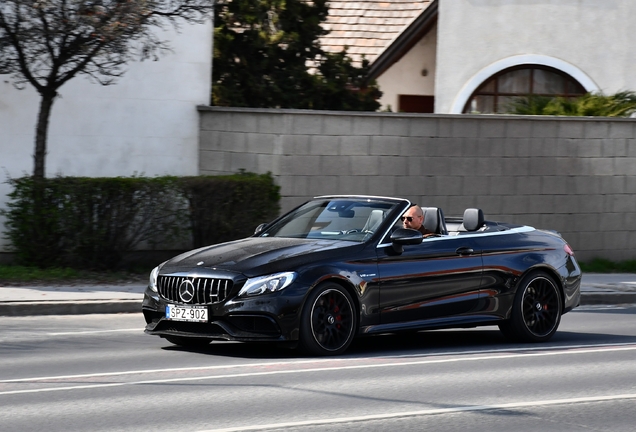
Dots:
pixel 267 284
pixel 152 283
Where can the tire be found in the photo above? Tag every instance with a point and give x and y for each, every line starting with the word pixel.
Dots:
pixel 187 341
pixel 536 311
pixel 328 321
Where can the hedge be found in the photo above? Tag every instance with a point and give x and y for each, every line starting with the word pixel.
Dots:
pixel 90 223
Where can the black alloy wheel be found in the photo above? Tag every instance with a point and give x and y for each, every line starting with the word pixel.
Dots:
pixel 536 312
pixel 328 320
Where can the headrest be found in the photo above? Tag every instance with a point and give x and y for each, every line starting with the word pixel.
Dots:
pixel 431 219
pixel 473 219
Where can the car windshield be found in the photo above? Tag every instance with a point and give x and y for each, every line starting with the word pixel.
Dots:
pixel 342 219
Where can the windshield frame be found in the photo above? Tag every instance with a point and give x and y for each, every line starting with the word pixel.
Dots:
pixel 337 217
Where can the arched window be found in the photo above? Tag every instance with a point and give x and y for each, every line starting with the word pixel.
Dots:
pixel 495 94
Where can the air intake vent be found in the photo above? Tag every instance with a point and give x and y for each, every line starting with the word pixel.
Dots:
pixel 206 290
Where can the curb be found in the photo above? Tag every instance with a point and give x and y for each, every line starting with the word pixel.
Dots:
pixel 69 307
pixel 607 298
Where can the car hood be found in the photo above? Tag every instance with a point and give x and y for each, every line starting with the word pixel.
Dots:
pixel 256 256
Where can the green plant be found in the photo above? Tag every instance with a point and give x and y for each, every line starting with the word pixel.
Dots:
pixel 91 223
pixel 224 208
pixel 16 274
pixel 267 54
pixel 528 105
pixel 601 265
pixel 621 104
pixel 26 273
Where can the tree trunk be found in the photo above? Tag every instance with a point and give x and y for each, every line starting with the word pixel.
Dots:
pixel 41 133
pixel 40 223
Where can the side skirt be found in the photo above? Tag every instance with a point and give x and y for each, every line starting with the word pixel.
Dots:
pixel 433 324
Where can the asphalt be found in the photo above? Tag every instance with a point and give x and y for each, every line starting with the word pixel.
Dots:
pixel 596 289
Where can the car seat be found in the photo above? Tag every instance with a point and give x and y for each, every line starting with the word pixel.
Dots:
pixel 374 220
pixel 473 220
pixel 434 220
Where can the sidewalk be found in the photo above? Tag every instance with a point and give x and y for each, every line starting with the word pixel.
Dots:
pixel 596 289
pixel 71 299
pixel 608 289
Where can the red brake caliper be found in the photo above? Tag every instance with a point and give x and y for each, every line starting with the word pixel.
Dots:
pixel 336 309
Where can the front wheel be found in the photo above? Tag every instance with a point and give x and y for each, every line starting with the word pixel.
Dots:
pixel 328 321
pixel 536 311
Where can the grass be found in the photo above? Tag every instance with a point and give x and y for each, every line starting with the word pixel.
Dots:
pixel 600 265
pixel 14 274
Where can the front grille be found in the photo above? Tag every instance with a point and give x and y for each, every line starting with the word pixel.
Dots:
pixel 206 290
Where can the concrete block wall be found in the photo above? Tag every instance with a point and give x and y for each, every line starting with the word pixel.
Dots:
pixel 573 175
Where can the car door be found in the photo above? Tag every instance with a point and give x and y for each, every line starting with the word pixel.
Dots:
pixel 438 278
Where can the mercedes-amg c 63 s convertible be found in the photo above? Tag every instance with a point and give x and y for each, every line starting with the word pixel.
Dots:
pixel 338 267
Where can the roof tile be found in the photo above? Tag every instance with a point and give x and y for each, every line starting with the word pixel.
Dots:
pixel 367 26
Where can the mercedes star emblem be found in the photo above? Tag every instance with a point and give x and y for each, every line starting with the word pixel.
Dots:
pixel 186 291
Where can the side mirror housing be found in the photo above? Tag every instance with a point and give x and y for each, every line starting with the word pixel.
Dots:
pixel 405 236
pixel 259 229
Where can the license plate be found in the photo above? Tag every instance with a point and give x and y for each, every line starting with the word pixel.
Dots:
pixel 187 313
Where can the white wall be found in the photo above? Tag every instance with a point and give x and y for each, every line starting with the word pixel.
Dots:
pixel 145 124
pixel 405 76
pixel 593 36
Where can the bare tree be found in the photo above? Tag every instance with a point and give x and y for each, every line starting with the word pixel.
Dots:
pixel 46 43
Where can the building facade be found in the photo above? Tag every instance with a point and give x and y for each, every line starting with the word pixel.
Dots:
pixel 428 56
pixel 146 124
pixel 473 55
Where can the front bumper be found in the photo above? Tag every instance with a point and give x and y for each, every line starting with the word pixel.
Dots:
pixel 571 281
pixel 271 317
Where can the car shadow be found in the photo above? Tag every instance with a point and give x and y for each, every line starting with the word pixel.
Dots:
pixel 434 342
pixel 409 343
pixel 247 350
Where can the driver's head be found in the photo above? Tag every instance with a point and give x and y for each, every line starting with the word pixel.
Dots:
pixel 413 217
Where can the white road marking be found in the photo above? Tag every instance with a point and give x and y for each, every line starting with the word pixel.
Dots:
pixel 74 333
pixel 587 308
pixel 489 355
pixel 141 330
pixel 428 412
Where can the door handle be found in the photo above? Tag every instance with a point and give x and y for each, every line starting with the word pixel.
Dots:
pixel 464 250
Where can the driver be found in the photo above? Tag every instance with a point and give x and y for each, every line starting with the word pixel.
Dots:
pixel 413 219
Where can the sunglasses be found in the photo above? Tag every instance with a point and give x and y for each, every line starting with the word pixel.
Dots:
pixel 408 218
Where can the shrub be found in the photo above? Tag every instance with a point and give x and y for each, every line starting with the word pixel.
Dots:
pixel 621 104
pixel 91 223
pixel 224 208
pixel 601 265
pixel 88 222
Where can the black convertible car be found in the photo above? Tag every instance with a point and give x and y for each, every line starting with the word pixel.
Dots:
pixel 341 266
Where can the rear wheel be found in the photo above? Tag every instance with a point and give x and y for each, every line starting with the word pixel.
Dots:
pixel 328 321
pixel 536 312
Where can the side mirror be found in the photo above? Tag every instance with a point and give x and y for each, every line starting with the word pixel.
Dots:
pixel 405 236
pixel 259 229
